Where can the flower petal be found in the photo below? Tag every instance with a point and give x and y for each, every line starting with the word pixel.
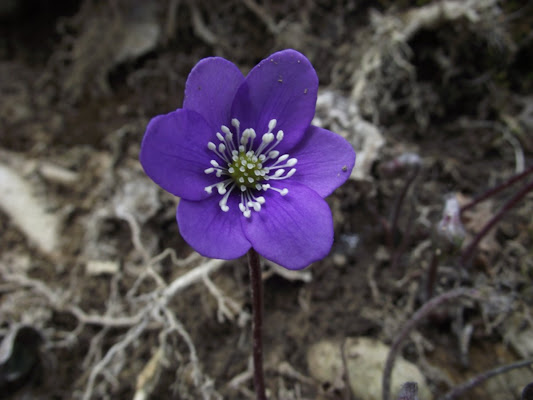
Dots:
pixel 210 89
pixel 293 230
pixel 174 153
pixel 325 160
pixel 210 231
pixel 281 87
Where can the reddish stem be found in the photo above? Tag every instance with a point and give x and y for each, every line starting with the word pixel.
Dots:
pixel 479 379
pixel 417 317
pixel 497 189
pixel 256 284
pixel 467 253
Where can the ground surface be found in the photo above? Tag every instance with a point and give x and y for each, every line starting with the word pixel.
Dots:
pixel 448 81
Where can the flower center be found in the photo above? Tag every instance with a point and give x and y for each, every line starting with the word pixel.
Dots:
pixel 248 166
pixel 247 170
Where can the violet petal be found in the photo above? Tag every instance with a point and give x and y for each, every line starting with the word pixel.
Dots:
pixel 282 87
pixel 292 230
pixel 210 89
pixel 210 231
pixel 174 153
pixel 325 160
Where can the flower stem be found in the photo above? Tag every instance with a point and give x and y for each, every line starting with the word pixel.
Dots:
pixel 417 317
pixel 256 284
pixel 469 251
pixel 479 379
pixel 399 201
pixel 497 189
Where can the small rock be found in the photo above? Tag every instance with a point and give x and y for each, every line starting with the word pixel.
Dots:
pixel 324 360
pixel 365 359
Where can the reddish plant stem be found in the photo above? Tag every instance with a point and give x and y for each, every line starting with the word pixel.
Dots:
pixel 256 284
pixel 479 379
pixel 406 238
pixel 399 201
pixel 497 189
pixel 417 317
pixel 432 274
pixel 469 250
pixel 384 225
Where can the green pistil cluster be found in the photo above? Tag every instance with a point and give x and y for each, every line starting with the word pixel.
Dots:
pixel 246 169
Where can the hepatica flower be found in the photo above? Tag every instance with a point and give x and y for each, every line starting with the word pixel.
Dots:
pixel 250 169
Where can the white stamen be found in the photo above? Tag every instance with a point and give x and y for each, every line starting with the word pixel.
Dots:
pixel 268 138
pixel 273 154
pixel 246 168
pixel 223 202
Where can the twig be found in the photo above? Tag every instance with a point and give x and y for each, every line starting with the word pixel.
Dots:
pixel 131 336
pixel 59 304
pixel 227 307
pixel 417 317
pixel 122 213
pixel 263 15
pixel 199 26
pixel 194 275
pixel 479 379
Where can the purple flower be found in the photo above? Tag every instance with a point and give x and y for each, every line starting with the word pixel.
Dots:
pixel 250 169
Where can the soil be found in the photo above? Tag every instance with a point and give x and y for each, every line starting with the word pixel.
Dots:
pixel 79 82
